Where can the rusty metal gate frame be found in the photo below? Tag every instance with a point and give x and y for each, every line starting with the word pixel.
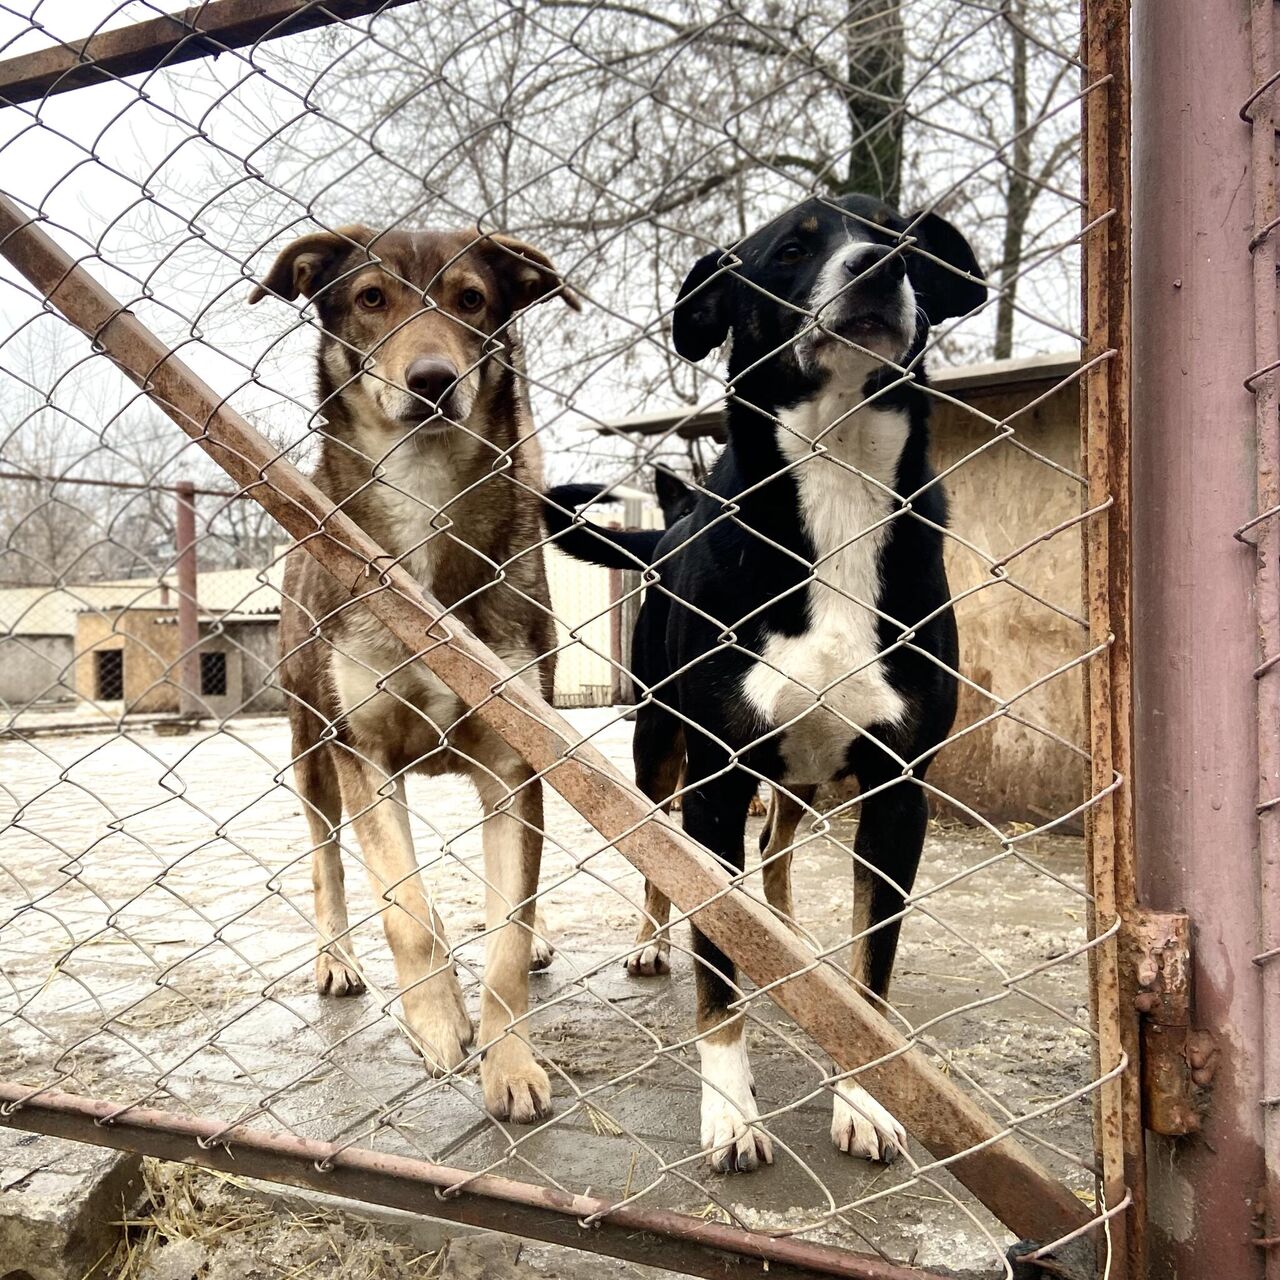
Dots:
pixel 1104 428
pixel 979 1151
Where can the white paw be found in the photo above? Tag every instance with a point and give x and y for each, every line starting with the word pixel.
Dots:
pixel 860 1126
pixel 651 960
pixel 731 1139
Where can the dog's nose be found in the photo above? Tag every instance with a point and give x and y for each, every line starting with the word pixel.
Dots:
pixel 887 265
pixel 430 377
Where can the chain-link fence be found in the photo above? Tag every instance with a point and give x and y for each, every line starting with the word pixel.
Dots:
pixel 712 375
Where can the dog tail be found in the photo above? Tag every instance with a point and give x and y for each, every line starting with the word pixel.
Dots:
pixel 609 548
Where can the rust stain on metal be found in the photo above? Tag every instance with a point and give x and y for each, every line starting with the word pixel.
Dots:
pixel 980 1152
pixel 657 1237
pixel 1105 436
pixel 173 38
pixel 1176 1059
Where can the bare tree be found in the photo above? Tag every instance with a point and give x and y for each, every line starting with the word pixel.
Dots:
pixel 628 139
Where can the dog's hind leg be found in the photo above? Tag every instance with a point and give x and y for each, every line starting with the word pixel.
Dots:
pixel 317 783
pixel 515 1087
pixel 777 840
pixel 429 993
pixel 891 831
pixel 658 749
pixel 715 813
pixel 542 950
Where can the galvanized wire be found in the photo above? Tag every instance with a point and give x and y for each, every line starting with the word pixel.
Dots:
pixel 157 942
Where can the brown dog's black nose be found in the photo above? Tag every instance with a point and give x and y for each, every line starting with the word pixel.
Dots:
pixel 430 377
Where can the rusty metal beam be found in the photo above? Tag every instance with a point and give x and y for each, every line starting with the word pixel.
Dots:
pixel 1262 113
pixel 142 486
pixel 1104 420
pixel 979 1151
pixel 197 32
pixel 655 1237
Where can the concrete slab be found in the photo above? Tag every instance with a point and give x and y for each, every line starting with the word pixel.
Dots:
pixel 59 1204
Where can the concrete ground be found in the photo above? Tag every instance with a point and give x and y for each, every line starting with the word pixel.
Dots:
pixel 156 945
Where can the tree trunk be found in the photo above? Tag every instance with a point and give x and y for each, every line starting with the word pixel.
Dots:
pixel 873 99
pixel 1019 193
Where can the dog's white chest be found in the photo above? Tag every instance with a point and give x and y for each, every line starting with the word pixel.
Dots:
pixel 827 684
pixel 414 488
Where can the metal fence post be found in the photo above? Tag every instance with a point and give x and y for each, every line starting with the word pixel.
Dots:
pixel 188 606
pixel 1194 641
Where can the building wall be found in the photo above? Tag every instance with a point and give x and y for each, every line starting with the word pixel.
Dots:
pixel 581 597
pixel 257 641
pixel 35 669
pixel 149 641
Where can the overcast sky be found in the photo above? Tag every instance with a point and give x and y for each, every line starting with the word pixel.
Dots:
pixel 160 187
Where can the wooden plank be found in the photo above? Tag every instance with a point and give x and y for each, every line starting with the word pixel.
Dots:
pixel 198 32
pixel 1030 373
pixel 991 1163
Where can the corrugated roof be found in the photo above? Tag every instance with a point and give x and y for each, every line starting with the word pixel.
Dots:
pixel 51 610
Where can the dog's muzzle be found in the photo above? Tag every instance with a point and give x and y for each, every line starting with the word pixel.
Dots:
pixel 433 382
pixel 873 305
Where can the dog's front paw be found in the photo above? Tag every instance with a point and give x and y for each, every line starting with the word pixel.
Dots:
pixel 516 1088
pixel 860 1126
pixel 731 1137
pixel 335 977
pixel 438 1023
pixel 651 960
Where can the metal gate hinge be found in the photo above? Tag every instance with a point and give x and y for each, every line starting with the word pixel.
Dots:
pixel 1177 1059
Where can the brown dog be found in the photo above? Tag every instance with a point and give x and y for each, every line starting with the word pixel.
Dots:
pixel 427 443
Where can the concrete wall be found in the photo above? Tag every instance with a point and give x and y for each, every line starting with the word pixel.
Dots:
pixel 35 669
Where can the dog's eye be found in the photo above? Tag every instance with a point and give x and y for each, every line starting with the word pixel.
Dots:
pixel 372 298
pixel 791 252
pixel 471 299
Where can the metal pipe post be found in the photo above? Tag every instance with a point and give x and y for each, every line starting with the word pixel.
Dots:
pixel 1193 632
pixel 189 701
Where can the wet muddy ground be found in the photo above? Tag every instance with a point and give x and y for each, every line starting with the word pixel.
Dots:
pixel 156 946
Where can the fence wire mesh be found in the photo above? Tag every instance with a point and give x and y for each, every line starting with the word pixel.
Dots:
pixel 201 729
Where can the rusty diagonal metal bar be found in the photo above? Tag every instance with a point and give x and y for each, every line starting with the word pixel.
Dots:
pixel 657 1237
pixel 184 36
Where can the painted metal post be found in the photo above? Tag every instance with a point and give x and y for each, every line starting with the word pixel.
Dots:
pixel 189 702
pixel 1193 631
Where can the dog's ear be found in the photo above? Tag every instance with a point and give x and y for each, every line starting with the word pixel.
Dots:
pixel 672 492
pixel 305 265
pixel 944 291
pixel 529 271
pixel 700 322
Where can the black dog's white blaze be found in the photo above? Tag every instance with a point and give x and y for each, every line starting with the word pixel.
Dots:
pixel 827 684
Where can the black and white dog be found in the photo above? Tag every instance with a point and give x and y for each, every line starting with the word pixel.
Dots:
pixel 798 627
